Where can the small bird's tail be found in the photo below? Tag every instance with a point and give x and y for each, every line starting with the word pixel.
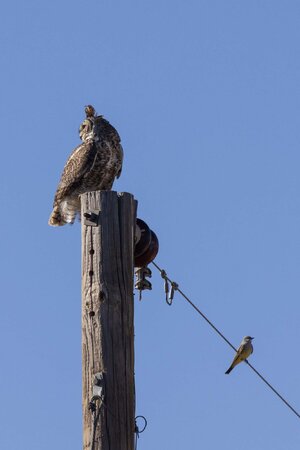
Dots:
pixel 229 370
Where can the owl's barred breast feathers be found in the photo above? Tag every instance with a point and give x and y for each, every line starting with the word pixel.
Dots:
pixel 92 166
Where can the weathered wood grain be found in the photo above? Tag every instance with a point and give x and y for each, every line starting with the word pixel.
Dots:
pixel 107 318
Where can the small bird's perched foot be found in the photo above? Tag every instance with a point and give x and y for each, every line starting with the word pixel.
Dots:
pixel 244 350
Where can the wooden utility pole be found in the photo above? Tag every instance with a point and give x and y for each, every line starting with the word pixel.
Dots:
pixel 108 393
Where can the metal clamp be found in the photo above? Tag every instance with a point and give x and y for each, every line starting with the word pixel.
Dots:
pixel 142 283
pixel 98 387
pixel 91 217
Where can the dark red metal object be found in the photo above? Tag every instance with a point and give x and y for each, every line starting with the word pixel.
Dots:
pixel 143 236
pixel 147 245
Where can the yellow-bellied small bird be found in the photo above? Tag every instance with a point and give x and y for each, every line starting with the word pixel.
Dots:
pixel 244 350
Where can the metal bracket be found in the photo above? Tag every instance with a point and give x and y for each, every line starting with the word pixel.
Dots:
pixel 141 282
pixel 98 386
pixel 91 217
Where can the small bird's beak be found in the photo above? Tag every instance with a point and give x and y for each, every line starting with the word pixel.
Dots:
pixel 252 338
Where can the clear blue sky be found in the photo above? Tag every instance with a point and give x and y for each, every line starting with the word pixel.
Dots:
pixel 206 97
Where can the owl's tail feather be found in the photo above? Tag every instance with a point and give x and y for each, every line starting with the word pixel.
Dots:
pixel 56 219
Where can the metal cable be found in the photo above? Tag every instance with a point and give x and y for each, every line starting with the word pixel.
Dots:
pixel 137 431
pixel 95 418
pixel 165 277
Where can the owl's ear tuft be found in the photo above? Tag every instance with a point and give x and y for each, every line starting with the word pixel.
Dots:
pixel 90 111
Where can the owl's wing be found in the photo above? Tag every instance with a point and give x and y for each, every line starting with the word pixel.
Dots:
pixel 121 156
pixel 111 137
pixel 78 165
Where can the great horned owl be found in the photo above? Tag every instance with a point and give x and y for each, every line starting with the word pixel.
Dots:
pixel 92 166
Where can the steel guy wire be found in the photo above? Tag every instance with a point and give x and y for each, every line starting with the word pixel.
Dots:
pixel 176 287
